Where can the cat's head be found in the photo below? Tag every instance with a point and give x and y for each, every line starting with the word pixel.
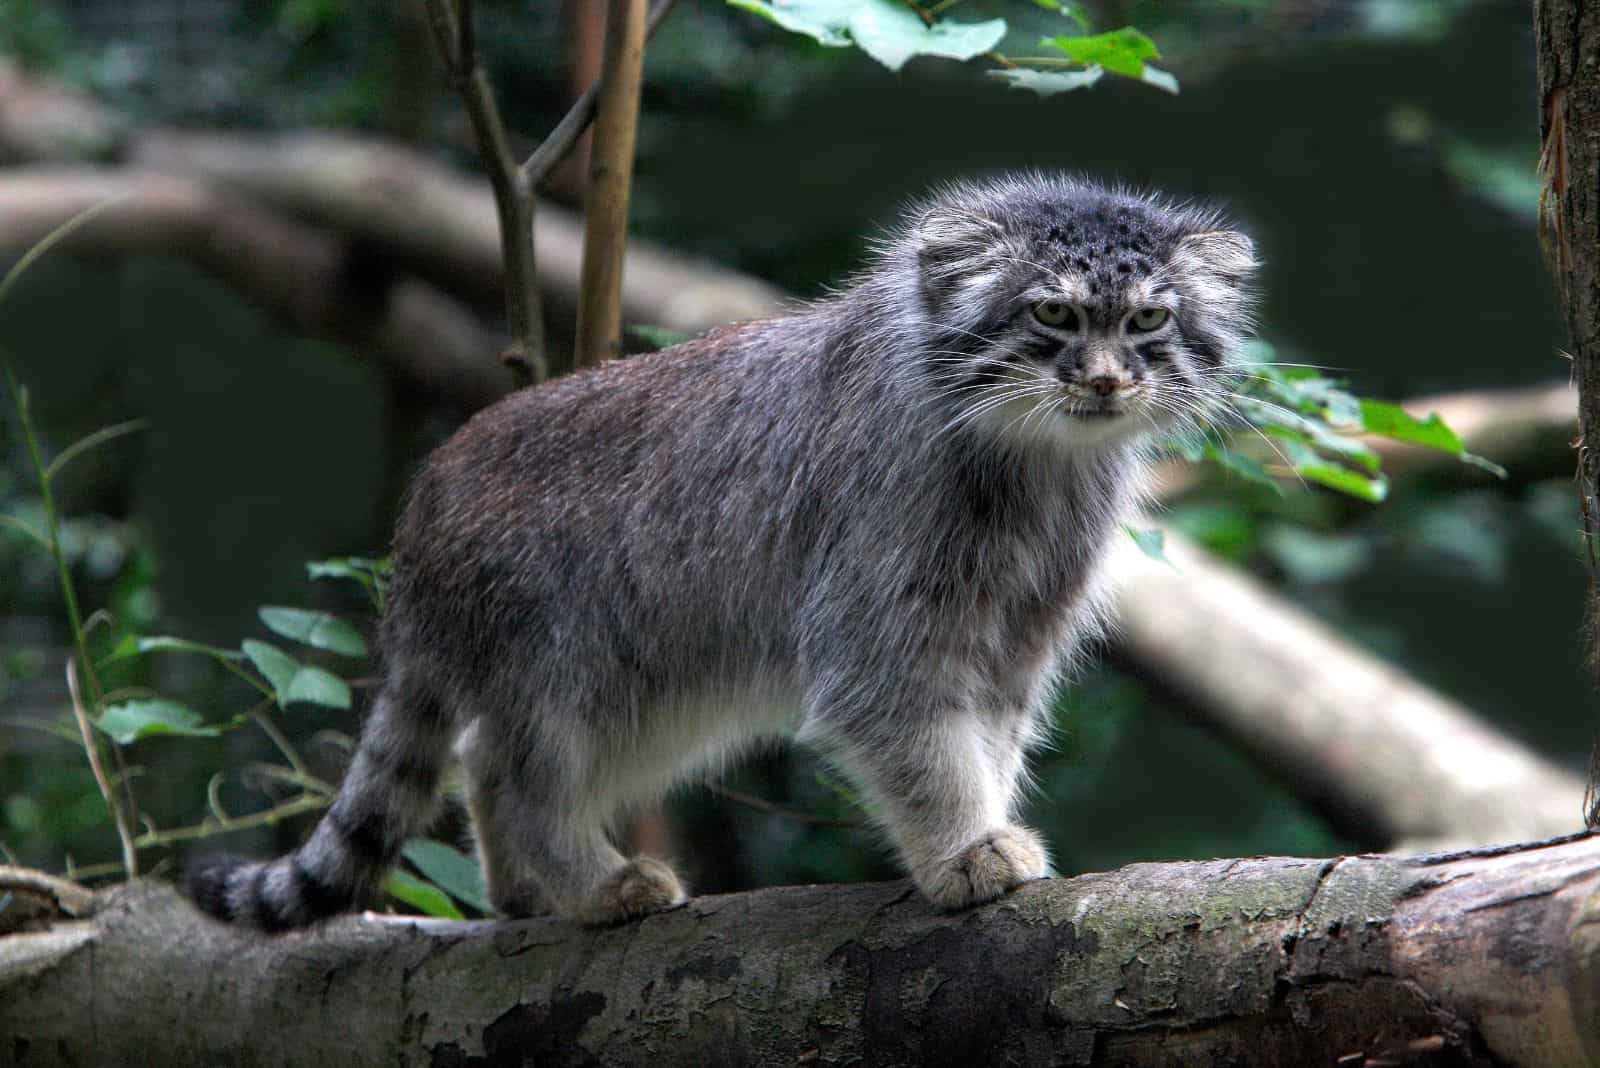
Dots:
pixel 1054 306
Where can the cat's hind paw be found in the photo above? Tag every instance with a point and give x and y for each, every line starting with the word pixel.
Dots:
pixel 641 886
pixel 1000 860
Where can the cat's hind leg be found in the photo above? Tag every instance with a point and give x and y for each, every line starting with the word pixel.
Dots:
pixel 542 834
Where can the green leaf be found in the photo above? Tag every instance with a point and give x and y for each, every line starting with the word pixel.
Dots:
pixel 1339 407
pixel 162 643
pixel 1484 464
pixel 1048 83
pixel 362 569
pixel 1293 426
pixel 292 681
pixel 824 21
pixel 421 895
pixel 371 573
pixel 659 337
pixel 1159 78
pixel 1223 527
pixel 1120 51
pixel 13 523
pixel 1152 542
pixel 1371 489
pixel 1243 466
pixel 129 721
pixel 450 869
pixel 891 33
pixel 887 30
pixel 1393 421
pixel 316 629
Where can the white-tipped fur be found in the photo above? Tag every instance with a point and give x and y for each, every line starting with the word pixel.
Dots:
pixel 880 518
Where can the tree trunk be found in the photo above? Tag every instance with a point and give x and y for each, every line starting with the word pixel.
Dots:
pixel 1567 41
pixel 1470 959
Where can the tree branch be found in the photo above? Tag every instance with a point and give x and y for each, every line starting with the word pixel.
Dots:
pixel 610 182
pixel 1382 755
pixel 561 140
pixel 1478 959
pixel 513 196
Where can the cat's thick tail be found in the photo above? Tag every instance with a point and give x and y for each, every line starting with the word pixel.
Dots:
pixel 388 795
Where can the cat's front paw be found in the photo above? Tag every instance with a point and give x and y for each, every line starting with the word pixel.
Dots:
pixel 1000 860
pixel 638 888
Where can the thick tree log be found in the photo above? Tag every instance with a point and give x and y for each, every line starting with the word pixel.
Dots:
pixel 1379 753
pixel 1473 959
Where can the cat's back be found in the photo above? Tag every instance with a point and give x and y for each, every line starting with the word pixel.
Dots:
pixel 627 457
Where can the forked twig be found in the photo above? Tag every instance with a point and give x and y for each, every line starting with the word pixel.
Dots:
pixel 515 185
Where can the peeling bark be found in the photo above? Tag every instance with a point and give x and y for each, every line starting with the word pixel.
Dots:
pixel 1464 959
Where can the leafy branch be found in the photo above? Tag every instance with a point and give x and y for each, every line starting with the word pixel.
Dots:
pixel 1311 426
pixel 894 32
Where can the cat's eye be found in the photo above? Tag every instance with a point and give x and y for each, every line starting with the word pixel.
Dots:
pixel 1056 313
pixel 1147 319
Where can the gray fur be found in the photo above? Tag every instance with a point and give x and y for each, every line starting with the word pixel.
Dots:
pixel 877 519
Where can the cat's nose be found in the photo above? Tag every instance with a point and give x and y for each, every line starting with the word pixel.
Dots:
pixel 1105 385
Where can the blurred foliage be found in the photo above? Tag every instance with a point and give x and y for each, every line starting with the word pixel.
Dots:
pixel 32 32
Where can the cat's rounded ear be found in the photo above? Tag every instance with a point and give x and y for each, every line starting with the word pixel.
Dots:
pixel 1212 270
pixel 1228 255
pixel 949 242
pixel 959 253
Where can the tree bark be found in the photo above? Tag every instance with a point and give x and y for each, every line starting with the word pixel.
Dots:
pixel 1567 43
pixel 1467 959
pixel 611 155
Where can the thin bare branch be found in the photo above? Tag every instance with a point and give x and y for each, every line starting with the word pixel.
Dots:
pixel 610 185
pixel 513 196
pixel 561 140
pixel 91 747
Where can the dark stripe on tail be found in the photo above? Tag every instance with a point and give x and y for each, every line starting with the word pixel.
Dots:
pixel 387 796
pixel 367 837
pixel 205 882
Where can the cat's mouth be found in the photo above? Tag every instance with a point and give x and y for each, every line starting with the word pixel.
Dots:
pixel 1104 412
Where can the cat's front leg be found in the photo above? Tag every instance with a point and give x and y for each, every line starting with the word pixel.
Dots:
pixel 935 778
